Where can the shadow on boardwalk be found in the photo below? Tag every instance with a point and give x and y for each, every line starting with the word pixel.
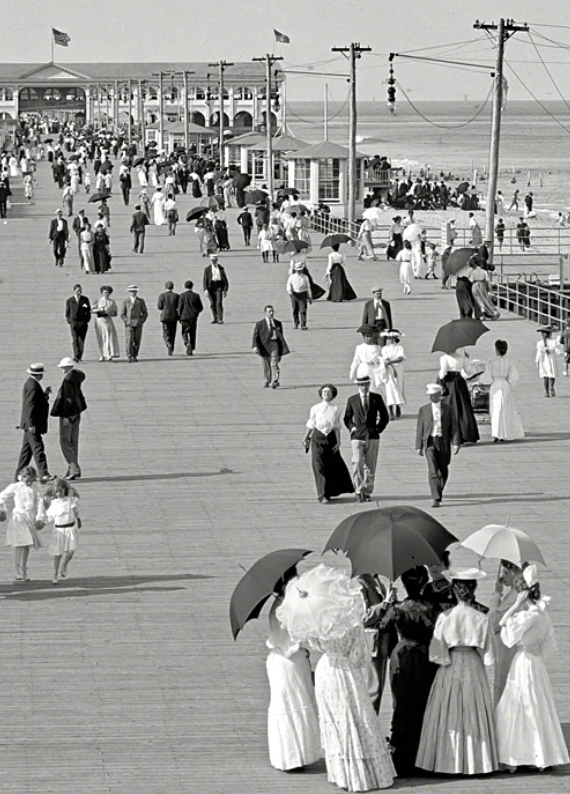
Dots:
pixel 166 476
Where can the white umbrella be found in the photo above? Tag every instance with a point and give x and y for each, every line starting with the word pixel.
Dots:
pixel 412 232
pixel 322 603
pixel 372 214
pixel 502 542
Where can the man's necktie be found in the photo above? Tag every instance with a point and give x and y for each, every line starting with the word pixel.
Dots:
pixel 366 404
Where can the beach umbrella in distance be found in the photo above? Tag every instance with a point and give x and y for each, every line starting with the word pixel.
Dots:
pixel 456 259
pixel 197 212
pixel 335 239
pixel 255 196
pixel 502 542
pixel 291 246
pixel 73 158
pixel 463 187
pixel 258 583
pixel 372 214
pixel 98 197
pixel 390 540
pixel 458 333
pixel 412 232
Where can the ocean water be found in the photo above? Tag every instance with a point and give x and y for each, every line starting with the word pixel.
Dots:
pixel 451 140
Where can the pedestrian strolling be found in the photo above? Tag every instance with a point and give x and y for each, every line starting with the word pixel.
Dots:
pixel 167 305
pixel 216 286
pixel 34 422
pixel 269 343
pixel 134 315
pixel 26 519
pixel 189 308
pixel 139 222
pixel 63 512
pixel 68 406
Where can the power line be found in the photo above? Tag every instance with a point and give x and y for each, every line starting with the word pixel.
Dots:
pixel 537 100
pixel 547 70
pixel 312 121
pixel 447 126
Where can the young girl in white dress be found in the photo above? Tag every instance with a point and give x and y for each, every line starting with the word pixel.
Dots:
pixel 528 728
pixel 28 516
pixel 394 356
pixel 63 511
pixel 547 352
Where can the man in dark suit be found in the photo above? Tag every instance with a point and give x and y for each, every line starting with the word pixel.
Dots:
pixel 168 306
pixel 34 422
pixel 59 237
pixel 68 406
pixel 245 220
pixel 269 343
pixel 377 312
pixel 78 315
pixel 78 225
pixel 139 223
pixel 365 417
pixel 126 185
pixel 134 315
pixel 5 194
pixel 215 284
pixel 189 307
pixel 436 433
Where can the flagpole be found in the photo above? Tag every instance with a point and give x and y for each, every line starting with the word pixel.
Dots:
pixel 51 46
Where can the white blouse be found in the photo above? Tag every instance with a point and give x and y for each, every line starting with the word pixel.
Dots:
pixel 454 362
pixel 336 258
pixel 463 627
pixel 324 417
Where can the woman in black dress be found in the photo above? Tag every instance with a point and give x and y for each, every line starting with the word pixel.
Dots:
pixel 396 238
pixel 101 250
pixel 456 394
pixel 322 437
pixel 411 672
pixel 340 289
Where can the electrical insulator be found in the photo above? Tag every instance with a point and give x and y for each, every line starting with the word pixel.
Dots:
pixel 276 104
pixel 391 91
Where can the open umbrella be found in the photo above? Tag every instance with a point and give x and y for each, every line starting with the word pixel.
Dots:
pixel 335 239
pixel 463 187
pixel 256 586
pixel 197 212
pixel 291 246
pixel 289 191
pixel 502 542
pixel 372 214
pixel 321 604
pixel 98 197
pixel 241 180
pixel 212 203
pixel 296 208
pixel 106 167
pixel 412 232
pixel 456 259
pixel 255 196
pixel 48 140
pixel 458 333
pixel 138 161
pixel 73 157
pixel 390 540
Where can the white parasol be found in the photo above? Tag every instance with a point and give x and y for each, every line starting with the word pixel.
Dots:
pixel 412 232
pixel 502 542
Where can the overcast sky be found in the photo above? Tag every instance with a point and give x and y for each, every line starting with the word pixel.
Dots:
pixel 178 30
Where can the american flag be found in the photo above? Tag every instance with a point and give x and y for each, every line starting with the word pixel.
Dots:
pixel 281 37
pixel 60 38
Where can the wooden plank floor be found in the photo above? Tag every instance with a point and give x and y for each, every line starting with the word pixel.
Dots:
pixel 125 679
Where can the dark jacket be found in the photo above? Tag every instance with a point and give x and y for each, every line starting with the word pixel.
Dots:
pixel 262 338
pixel 207 280
pixel 189 305
pixel 369 425
pixel 134 313
pixel 35 407
pixel 70 400
pixel 139 221
pixel 79 224
pixel 167 303
pixel 449 430
pixel 53 232
pixel 368 314
pixel 245 219
pixel 77 311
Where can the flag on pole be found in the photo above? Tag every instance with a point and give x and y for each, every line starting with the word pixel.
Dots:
pixel 60 38
pixel 281 37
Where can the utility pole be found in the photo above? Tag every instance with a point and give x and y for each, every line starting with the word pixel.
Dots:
pixel 326 113
pixel 269 61
pixel 141 115
pixel 160 118
pixel 353 53
pixel 506 29
pixel 222 66
pixel 129 89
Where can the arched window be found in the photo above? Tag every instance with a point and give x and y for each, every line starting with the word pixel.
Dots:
pixel 150 93
pixel 243 120
pixel 52 95
pixel 243 92
pixel 215 120
pixel 5 116
pixel 6 95
pixel 29 94
pixel 172 94
pixel 215 92
pixel 199 92
pixel 198 118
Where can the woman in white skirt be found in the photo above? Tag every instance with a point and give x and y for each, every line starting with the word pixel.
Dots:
pixel 506 423
pixel 368 359
pixel 292 722
pixel 406 267
pixel 528 728
pixel 28 516
pixel 547 352
pixel 63 510
pixel 104 310
pixel 394 356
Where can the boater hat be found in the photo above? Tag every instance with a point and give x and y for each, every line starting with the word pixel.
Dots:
pixel 377 289
pixel 298 266
pixel 66 362
pixel 363 379
pixel 133 288
pixel 35 369
pixel 433 388
pixel 464 574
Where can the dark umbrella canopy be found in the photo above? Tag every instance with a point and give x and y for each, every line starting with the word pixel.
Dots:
pixel 291 246
pixel 241 180
pixel 458 333
pixel 197 212
pixel 257 585
pixel 463 187
pixel 138 161
pixel 98 197
pixel 255 196
pixel 48 140
pixel 106 167
pixel 289 191
pixel 335 239
pixel 456 259
pixel 213 204
pixel 390 540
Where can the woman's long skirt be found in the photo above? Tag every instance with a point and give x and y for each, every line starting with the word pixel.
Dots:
pixel 464 297
pixel 87 257
pixel 480 292
pixel 107 339
pixel 340 289
pixel 456 395
pixel 332 477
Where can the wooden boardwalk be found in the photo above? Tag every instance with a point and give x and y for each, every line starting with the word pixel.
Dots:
pixel 126 679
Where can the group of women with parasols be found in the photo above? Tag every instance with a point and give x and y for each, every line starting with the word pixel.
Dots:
pixel 443 720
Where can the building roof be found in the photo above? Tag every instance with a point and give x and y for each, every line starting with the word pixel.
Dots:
pixel 177 127
pixel 281 143
pixel 239 73
pixel 323 151
pixel 247 139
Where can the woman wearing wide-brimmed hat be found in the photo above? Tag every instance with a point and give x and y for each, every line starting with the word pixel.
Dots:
pixel 104 310
pixel 458 732
pixel 394 356
pixel 322 437
pixel 547 352
pixel 368 357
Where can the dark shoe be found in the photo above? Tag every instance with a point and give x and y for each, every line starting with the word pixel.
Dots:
pixel 275 385
pixel 357 497
pixel 398 411
pixel 266 384
pixel 220 322
pixel 75 476
pixel 304 328
pixel 495 441
pixel 214 322
pixel 436 503
pixel 170 351
pixel 366 497
pixel 296 327
pixel 47 478
pixel 552 392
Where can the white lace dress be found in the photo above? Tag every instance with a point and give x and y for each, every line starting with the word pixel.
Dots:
pixel 28 509
pixel 356 754
pixel 505 421
pixel 368 360
pixel 528 728
pixel 394 379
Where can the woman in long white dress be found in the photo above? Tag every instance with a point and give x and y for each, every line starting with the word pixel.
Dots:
pixel 158 201
pixel 394 356
pixel 528 728
pixel 500 374
pixel 404 257
pixel 547 352
pixel 501 602
pixel 368 359
pixel 141 174
pixel 86 239
pixel 458 732
pixel 104 310
pixel 292 723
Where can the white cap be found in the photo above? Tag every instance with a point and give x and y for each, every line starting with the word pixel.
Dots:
pixel 66 362
pixel 433 388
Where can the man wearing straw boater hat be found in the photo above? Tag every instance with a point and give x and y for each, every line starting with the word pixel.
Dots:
pixel 436 432
pixel 134 315
pixel 34 422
